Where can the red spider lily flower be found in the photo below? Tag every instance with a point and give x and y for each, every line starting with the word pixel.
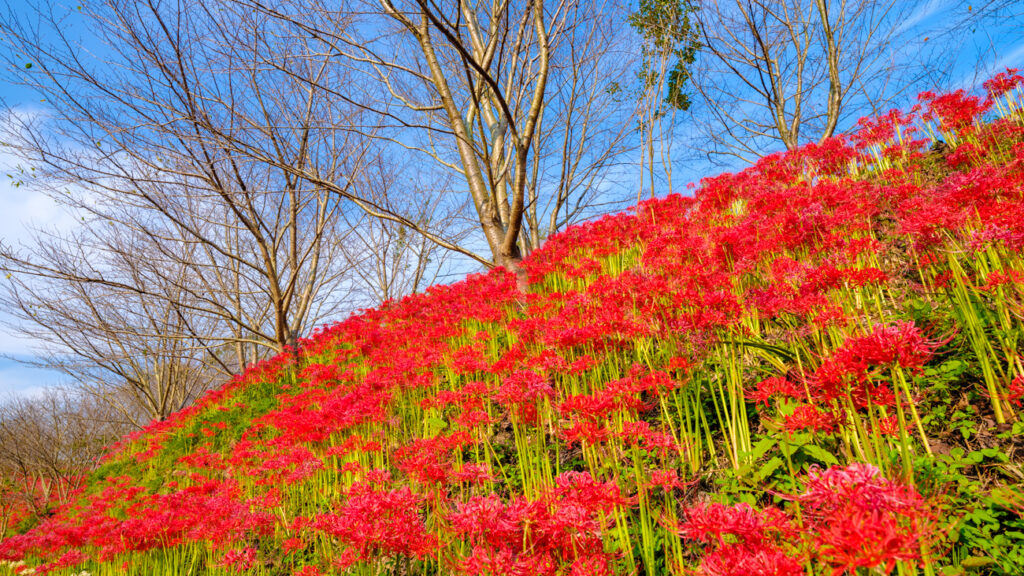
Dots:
pixel 956 111
pixel 488 562
pixel 859 519
pixel 732 560
pixel 810 417
pixel 901 343
pixel 473 474
pixel 667 480
pixel 774 386
pixel 742 540
pixel 376 522
pixel 590 432
pixel 592 408
pixel 562 528
pixel 472 418
pixel 1015 393
pixel 582 364
pixel 522 387
pixel 486 520
pixel 847 370
pixel 640 434
pixel 378 477
pixel 965 155
pixel 429 460
pixel 290 545
pixel 470 359
pixel 592 565
pixel 66 560
pixel 880 130
pixel 239 560
pixel 1003 82
pixel 996 279
pixel 889 426
pixel 710 523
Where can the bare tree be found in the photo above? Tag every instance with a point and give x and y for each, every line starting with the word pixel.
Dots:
pixel 182 148
pixel 47 445
pixel 504 94
pixel 125 340
pixel 145 143
pixel 783 73
pixel 390 259
pixel 975 39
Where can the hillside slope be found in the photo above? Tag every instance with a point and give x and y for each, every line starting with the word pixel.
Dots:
pixel 808 367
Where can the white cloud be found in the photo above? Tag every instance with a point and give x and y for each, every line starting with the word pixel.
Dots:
pixel 973 78
pixel 20 380
pixel 23 208
pixel 1014 59
pixel 12 344
pixel 922 15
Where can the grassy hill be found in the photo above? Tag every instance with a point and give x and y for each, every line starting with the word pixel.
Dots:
pixel 808 367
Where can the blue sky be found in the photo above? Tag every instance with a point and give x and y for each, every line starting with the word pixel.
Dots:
pixel 998 43
pixel 21 209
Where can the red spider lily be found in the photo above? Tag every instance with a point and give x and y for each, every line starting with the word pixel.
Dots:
pixel 290 545
pixel 773 387
pixel 742 540
pixel 732 560
pixel 1003 82
pixel 470 359
pixel 628 312
pixel 640 434
pixel 860 519
pixel 847 371
pixel 590 432
pixel 667 480
pixel 882 129
pixel 810 417
pixel 535 537
pixel 711 523
pixel 376 522
pixel 429 460
pixel 1015 393
pixel 587 407
pixel 956 111
pixel 239 560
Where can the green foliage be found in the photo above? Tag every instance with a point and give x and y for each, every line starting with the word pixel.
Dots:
pixel 669 33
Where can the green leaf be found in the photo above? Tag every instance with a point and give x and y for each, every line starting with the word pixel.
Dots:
pixel 767 469
pixel 799 439
pixel 820 454
pixel 975 562
pixel 433 425
pixel 761 448
pixel 776 350
pixel 952 366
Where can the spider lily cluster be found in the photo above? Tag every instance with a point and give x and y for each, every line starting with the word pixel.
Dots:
pixel 739 382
